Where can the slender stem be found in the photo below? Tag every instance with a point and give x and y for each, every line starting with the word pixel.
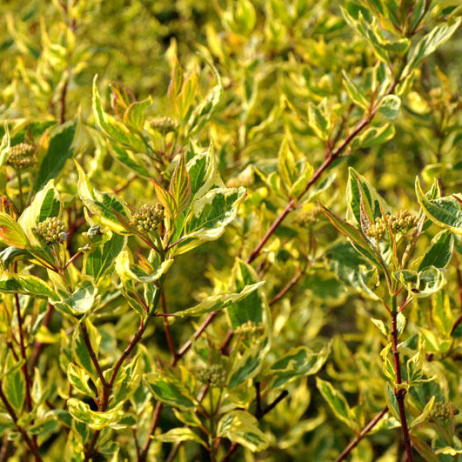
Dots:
pixel 38 346
pixel 21 195
pixel 286 289
pixel 456 324
pixel 168 334
pixel 331 154
pixel 136 338
pixel 254 254
pixel 273 404
pixel 30 443
pixel 155 421
pixel 182 351
pixel 93 357
pixel 258 411
pixel 62 101
pixel 22 348
pixel 400 392
pixel 362 434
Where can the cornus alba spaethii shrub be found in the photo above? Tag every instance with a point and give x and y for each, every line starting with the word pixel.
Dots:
pixel 230 230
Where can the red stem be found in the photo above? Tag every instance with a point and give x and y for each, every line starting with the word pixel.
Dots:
pixel 361 435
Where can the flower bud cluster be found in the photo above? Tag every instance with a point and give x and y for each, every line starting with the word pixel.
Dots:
pixel 51 231
pixel 402 222
pixel 148 218
pixel 21 156
pixel 441 411
pixel 214 375
pixel 306 218
pixel 164 124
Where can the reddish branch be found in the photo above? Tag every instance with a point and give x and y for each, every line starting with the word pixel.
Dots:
pixel 362 434
pixel 107 385
pixel 286 289
pixel 22 348
pixel 38 346
pixel 332 154
pixel 175 358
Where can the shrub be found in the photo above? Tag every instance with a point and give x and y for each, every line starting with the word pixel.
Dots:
pixel 230 230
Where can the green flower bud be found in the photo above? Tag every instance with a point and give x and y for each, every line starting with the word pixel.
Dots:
pixel 51 230
pixel 21 156
pixel 148 218
pixel 214 375
pixel 378 229
pixel 441 411
pixel 164 124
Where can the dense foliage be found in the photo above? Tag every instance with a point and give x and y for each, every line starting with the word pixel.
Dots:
pixel 230 230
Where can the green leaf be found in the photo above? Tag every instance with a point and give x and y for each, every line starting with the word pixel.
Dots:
pixel 5 144
pixel 104 206
pixel 347 264
pixel 14 385
pixel 363 199
pixel 166 199
pixel 336 401
pixel 254 308
pixel 298 362
pixel 445 212
pixel 112 127
pixel 95 420
pixel 375 136
pixel 318 121
pixel 127 270
pixel 79 379
pixel 390 106
pixel 80 350
pixel 242 428
pixel 46 203
pixel 101 259
pixel 219 302
pixel 170 392
pixel 440 252
pixel 245 367
pixel 180 185
pixel 80 301
pixel 431 280
pixel 176 435
pixel 203 171
pixel 287 167
pixel 354 92
pixel 209 217
pixel 25 284
pixel 134 115
pixel 424 415
pixel 59 151
pixel 11 233
pixel 356 237
pixel 441 312
pixel 429 43
pixel 203 111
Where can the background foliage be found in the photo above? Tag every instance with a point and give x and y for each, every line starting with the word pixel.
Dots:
pixel 230 230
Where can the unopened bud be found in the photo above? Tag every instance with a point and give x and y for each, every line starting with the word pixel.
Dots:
pixel 21 156
pixel 51 231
